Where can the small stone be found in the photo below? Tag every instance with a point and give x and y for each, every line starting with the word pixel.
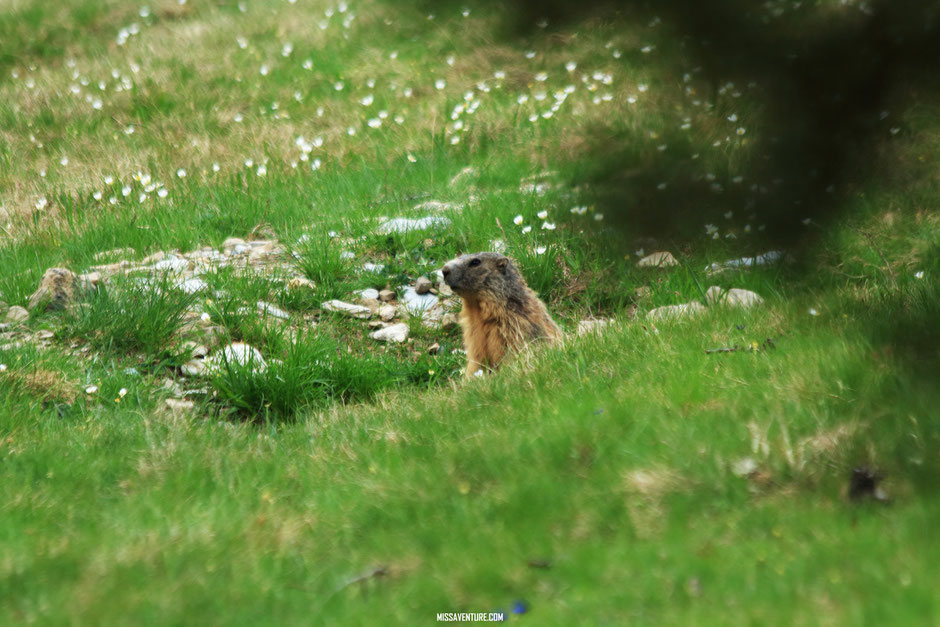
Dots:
pixel 241 354
pixel 111 268
pixel 45 334
pixel 417 304
pixel 357 311
pixel 193 285
pixel 744 467
pixel 89 281
pixel 684 310
pixel 434 349
pixel 443 288
pixel 261 232
pixel 733 297
pixel 56 289
pixel 153 258
pixel 91 389
pixel 272 310
pixel 175 265
pixel 768 258
pixel 300 283
pixel 449 321
pixel 423 285
pixel 372 303
pixel 369 294
pixel 460 177
pixel 179 405
pixel 194 368
pixel 195 349
pixel 662 259
pixel 403 225
pixel 395 333
pixel 17 314
pixel 232 242
pixel 387 312
pixel 437 205
pixel 377 324
pixel 386 296
pixel 591 326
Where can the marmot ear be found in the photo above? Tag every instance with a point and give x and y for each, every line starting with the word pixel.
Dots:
pixel 502 262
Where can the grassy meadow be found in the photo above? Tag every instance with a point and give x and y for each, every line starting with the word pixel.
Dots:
pixel 636 475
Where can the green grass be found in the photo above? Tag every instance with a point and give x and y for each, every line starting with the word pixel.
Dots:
pixel 357 482
pixel 131 316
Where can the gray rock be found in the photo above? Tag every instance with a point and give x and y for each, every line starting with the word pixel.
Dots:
pixel 442 287
pixel 372 303
pixel 368 293
pixel 56 289
pixel 194 368
pixel 240 354
pixel 299 283
pixel 437 205
pixel 153 258
pixel 449 321
pixel 386 296
pixel 394 333
pixel 662 259
pixel 685 310
pixel 17 314
pixel 387 312
pixel 592 326
pixel 733 297
pixel 467 173
pixel 232 242
pixel 172 264
pixel 272 310
pixel 89 281
pixel 768 258
pixel 178 405
pixel 423 285
pixel 403 225
pixel 357 311
pixel 193 285
pixel 416 304
pixel 373 267
pixel 195 349
pixel 744 467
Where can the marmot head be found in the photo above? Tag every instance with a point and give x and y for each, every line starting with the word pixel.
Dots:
pixel 482 273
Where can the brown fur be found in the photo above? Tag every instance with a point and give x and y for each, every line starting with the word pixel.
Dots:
pixel 500 312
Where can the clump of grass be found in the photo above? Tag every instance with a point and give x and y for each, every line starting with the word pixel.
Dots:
pixel 38 383
pixel 321 259
pixel 310 370
pixel 129 316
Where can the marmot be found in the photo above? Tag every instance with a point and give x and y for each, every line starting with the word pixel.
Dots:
pixel 500 311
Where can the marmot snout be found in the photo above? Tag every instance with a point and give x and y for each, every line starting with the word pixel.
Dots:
pixel 499 312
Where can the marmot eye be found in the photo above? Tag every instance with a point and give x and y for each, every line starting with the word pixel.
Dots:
pixel 475 262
